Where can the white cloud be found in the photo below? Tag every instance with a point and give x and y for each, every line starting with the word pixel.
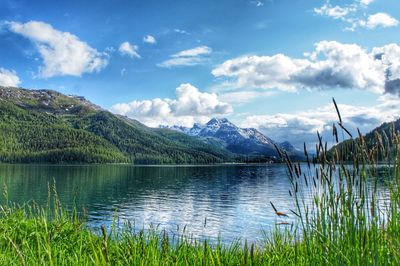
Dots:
pixel 129 49
pixel 190 57
pixel 331 65
pixel 181 61
pixel 303 126
pixel 366 2
pixel 257 3
pixel 190 106
pixel 197 51
pixel 379 20
pixel 336 12
pixel 149 39
pixel 9 78
pixel 181 31
pixel 389 56
pixel 355 15
pixel 109 50
pixel 62 52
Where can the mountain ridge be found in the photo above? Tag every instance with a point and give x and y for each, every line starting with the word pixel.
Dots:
pixel 47 126
pixel 243 141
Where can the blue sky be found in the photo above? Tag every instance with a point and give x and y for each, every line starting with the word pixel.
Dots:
pixel 272 64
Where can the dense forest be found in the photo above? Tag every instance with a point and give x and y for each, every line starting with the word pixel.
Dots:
pixel 46 126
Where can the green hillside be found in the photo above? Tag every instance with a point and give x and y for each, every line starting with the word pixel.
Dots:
pixel 46 126
pixel 381 136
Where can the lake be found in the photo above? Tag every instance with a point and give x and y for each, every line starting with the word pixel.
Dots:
pixel 230 201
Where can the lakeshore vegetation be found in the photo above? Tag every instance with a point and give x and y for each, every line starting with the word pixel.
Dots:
pixel 342 219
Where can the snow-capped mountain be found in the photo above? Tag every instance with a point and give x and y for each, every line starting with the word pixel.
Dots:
pixel 248 141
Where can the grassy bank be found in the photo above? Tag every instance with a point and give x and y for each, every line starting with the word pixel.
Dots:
pixel 34 236
pixel 30 235
pixel 343 218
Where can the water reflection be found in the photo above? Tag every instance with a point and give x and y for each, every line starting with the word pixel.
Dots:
pixel 232 199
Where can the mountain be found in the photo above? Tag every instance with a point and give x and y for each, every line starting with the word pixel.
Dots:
pixel 386 129
pixel 244 141
pixel 47 126
pixel 381 135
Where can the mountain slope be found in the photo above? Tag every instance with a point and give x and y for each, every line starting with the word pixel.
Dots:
pixel 382 135
pixel 242 141
pixel 47 126
pixel 31 136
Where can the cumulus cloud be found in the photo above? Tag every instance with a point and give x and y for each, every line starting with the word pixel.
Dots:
pixel 354 14
pixel 389 55
pixel 62 52
pixel 190 106
pixel 303 126
pixel 190 57
pixel 9 78
pixel 379 20
pixel 331 65
pixel 149 39
pixel 129 49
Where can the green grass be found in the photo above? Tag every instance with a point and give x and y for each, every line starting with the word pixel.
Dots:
pixel 30 235
pixel 341 220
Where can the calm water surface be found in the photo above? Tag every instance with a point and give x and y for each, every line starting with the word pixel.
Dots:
pixel 233 199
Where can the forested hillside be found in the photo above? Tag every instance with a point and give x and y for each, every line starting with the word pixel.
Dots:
pixel 46 126
pixel 384 135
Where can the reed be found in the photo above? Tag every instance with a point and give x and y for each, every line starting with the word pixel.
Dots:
pixel 343 218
